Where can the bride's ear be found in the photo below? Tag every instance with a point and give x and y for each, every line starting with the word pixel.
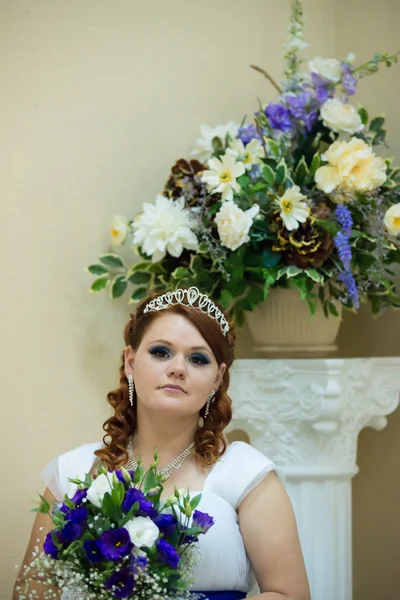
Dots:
pixel 220 375
pixel 129 360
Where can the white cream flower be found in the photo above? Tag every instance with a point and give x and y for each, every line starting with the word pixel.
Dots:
pixel 119 230
pixel 328 68
pixel 352 166
pixel 165 226
pixel 294 209
pixel 142 531
pixel 249 155
pixel 234 224
pixel 392 219
pixel 221 176
pixel 341 117
pixel 204 150
pixel 98 488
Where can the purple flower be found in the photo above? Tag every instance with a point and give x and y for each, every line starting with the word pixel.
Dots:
pixel 49 546
pixel 202 520
pixel 79 496
pixel 166 523
pixel 115 543
pixel 349 82
pixel 347 278
pixel 138 563
pixel 71 532
pixel 298 104
pixel 78 516
pixel 167 554
pixel 345 219
pixel 279 117
pixel 323 88
pixel 93 551
pixel 248 133
pixel 344 249
pixel 146 508
pixel 121 583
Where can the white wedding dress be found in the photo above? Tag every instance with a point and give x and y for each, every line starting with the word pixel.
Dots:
pixel 225 564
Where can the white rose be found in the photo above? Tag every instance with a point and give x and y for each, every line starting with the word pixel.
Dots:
pixel 119 230
pixel 392 219
pixel 233 224
pixel 328 68
pixel 341 117
pixel 142 531
pixel 98 488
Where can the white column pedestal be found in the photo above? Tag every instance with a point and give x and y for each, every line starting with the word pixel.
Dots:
pixel 306 415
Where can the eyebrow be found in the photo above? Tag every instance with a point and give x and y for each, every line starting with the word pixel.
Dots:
pixel 167 343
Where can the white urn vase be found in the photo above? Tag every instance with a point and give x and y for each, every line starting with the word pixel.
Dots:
pixel 283 326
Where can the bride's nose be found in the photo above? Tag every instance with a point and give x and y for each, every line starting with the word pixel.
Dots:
pixel 177 367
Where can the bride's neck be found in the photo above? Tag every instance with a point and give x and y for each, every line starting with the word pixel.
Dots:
pixel 169 436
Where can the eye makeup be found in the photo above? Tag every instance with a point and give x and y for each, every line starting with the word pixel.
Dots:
pixel 162 352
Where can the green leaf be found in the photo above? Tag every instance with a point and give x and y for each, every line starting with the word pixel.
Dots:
pixel 377 124
pixel 243 181
pixel 314 275
pixel 150 481
pixel 315 163
pixel 301 172
pixel 140 277
pixel 225 299
pixel 118 286
pixel 180 272
pixel 194 502
pixel 330 226
pixel 281 173
pixel 363 115
pixel 268 175
pixel 138 294
pixel 111 260
pixel 99 284
pixel 142 266
pixel 333 309
pixel 118 493
pixel 96 270
pixel 289 271
pixel 271 259
pixel 203 248
pixel 196 264
pixel 273 147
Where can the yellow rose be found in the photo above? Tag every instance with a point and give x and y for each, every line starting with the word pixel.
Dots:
pixel 368 174
pixel 392 219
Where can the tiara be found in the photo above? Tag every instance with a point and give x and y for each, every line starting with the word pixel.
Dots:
pixel 193 294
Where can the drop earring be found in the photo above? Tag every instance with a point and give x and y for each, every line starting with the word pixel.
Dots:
pixel 131 387
pixel 208 403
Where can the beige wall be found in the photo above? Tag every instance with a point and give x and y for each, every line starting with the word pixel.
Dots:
pixel 99 98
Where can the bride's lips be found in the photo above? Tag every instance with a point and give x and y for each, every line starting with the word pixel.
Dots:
pixel 173 388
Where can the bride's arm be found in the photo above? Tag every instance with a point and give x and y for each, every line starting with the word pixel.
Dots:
pixel 41 526
pixel 269 531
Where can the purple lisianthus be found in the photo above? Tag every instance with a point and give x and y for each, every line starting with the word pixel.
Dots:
pixel 71 532
pixel 138 563
pixel 167 554
pixel 49 546
pixel 279 117
pixel 345 219
pixel 93 551
pixel 79 496
pixel 166 523
pixel 78 516
pixel 115 543
pixel 146 508
pixel 248 133
pixel 347 278
pixel 202 520
pixel 121 583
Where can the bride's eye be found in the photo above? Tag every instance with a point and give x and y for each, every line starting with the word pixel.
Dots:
pixel 159 352
pixel 199 359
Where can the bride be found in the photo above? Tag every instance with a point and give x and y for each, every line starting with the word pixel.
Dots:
pixel 173 396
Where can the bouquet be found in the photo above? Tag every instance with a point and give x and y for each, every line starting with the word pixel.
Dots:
pixel 116 538
pixel 298 197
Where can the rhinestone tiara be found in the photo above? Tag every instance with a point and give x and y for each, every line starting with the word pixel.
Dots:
pixel 189 298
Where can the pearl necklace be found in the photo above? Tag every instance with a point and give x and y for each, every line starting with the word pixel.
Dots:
pixel 167 471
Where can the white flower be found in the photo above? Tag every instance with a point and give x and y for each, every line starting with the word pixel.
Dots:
pixel 293 208
pixel 98 488
pixel 221 176
pixel 233 224
pixel 350 58
pixel 204 149
pixel 119 230
pixel 392 219
pixel 142 531
pixel 341 117
pixel 328 68
pixel 249 155
pixel 165 226
pixel 296 43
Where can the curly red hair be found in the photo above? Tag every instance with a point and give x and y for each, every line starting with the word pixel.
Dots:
pixel 209 439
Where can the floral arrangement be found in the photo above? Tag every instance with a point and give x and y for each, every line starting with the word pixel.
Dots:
pixel 297 198
pixel 116 538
